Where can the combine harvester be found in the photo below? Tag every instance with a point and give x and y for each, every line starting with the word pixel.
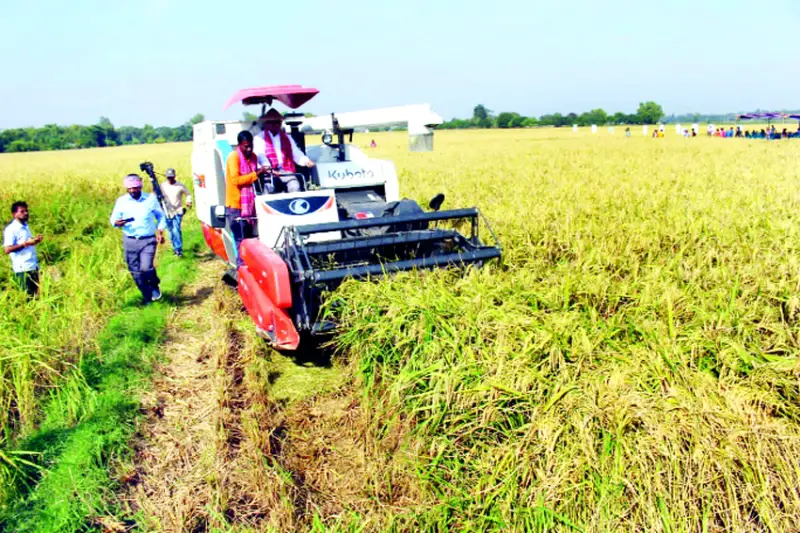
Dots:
pixel 348 220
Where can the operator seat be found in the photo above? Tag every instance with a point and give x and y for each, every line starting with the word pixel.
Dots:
pixel 280 187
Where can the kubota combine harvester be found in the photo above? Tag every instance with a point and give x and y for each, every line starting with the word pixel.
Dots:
pixel 347 221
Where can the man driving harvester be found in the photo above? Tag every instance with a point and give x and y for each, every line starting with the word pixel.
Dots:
pixel 275 149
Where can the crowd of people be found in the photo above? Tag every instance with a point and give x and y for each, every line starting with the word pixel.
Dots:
pixel 138 214
pixel 770 132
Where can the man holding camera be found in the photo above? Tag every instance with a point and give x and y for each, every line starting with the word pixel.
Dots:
pixel 143 223
pixel 19 243
pixel 174 194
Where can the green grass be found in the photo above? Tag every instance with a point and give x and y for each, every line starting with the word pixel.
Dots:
pixel 294 380
pixel 89 422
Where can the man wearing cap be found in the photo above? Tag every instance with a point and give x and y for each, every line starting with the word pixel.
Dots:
pixel 276 149
pixel 174 193
pixel 142 223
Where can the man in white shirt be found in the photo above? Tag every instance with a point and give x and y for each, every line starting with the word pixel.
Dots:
pixel 275 149
pixel 19 243
pixel 174 193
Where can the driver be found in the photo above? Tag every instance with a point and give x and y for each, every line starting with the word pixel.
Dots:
pixel 277 150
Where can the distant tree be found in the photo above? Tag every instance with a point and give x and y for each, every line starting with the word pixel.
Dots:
pixel 618 118
pixel 571 118
pixel 104 122
pixel 21 145
pixel 597 116
pixel 246 116
pixel 481 116
pixel 505 119
pixel 149 134
pixel 87 137
pixel 530 122
pixel 480 112
pixel 633 118
pixel 455 124
pixel 649 112
pixel 198 118
pixel 547 120
pixel 105 133
pixel 165 133
pixel 518 121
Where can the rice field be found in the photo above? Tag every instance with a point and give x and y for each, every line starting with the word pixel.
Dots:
pixel 70 195
pixel 48 344
pixel 630 365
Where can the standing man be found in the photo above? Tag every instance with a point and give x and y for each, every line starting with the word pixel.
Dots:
pixel 143 224
pixel 174 193
pixel 274 148
pixel 241 171
pixel 19 243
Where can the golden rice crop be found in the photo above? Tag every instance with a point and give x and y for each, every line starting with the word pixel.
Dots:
pixel 633 362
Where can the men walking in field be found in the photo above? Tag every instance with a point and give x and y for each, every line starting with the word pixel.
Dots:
pixel 174 194
pixel 143 224
pixel 20 244
pixel 274 148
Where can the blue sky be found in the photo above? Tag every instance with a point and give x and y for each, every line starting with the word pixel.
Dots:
pixel 161 61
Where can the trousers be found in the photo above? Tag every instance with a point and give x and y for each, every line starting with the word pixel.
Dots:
pixel 241 229
pixel 28 281
pixel 175 236
pixel 290 183
pixel 139 254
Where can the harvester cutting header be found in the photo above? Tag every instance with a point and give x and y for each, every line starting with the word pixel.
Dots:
pixel 293 221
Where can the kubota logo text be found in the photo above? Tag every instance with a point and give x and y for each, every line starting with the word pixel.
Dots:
pixel 347 174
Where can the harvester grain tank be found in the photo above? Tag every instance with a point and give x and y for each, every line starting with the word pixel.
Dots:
pixel 347 221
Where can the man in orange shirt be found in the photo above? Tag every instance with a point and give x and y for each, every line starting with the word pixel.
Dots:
pixel 242 170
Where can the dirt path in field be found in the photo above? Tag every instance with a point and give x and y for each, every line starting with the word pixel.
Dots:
pixel 235 435
pixel 172 481
pixel 208 454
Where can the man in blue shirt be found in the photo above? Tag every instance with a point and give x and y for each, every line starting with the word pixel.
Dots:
pixel 19 243
pixel 143 223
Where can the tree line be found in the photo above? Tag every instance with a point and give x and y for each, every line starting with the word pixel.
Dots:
pixel 647 113
pixel 54 137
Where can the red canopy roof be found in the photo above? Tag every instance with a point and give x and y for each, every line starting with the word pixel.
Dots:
pixel 292 96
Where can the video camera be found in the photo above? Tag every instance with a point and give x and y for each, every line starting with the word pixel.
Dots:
pixel 147 168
